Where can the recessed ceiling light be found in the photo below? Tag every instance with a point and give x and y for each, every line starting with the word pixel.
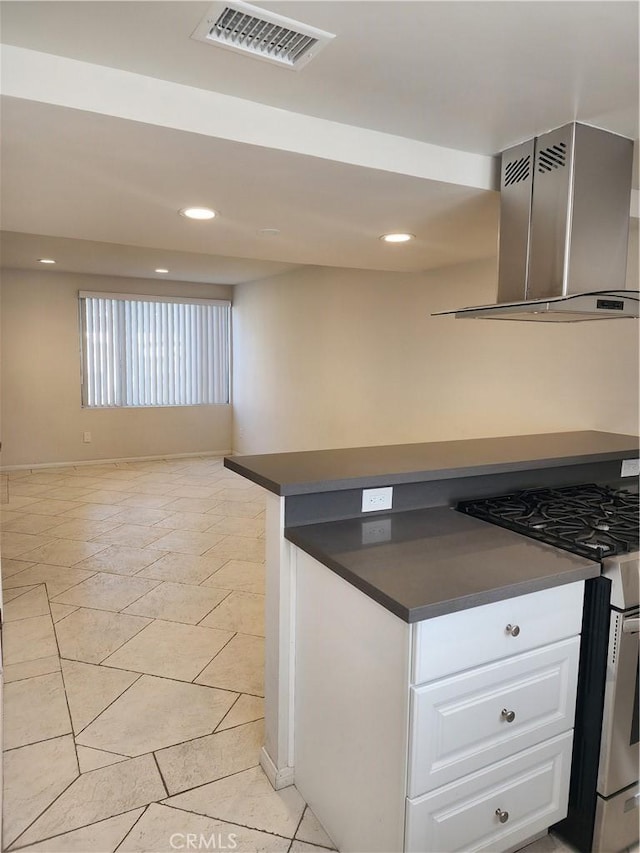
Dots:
pixel 197 212
pixel 269 232
pixel 46 261
pixel 397 238
pixel 163 271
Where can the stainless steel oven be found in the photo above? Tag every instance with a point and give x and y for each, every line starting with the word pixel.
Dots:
pixel 618 792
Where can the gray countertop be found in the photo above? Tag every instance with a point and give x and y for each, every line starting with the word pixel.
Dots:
pixel 315 471
pixel 437 561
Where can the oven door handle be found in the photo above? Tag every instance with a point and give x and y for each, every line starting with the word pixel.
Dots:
pixel 631 626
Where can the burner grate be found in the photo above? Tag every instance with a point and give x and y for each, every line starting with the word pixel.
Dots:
pixel 591 520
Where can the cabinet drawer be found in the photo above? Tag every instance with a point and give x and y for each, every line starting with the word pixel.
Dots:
pixel 457 724
pixel 530 790
pixel 468 638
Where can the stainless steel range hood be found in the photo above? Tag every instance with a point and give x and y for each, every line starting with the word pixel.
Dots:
pixel 564 229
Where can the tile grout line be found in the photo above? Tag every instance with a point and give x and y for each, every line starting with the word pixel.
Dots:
pixel 6 529
pixel 53 566
pixel 139 631
pixel 109 752
pixel 202 582
pixel 119 696
pixel 53 541
pixel 92 609
pixel 304 811
pixel 165 678
pixel 231 559
pixel 25 592
pixel 28 677
pixel 172 621
pixel 128 833
pixel 106 544
pixel 78 539
pixel 172 745
pixel 193 680
pixel 154 675
pixel 204 784
pixel 199 624
pixel 66 616
pixel 11 848
pixel 43 740
pixel 307 807
pixel 247 633
pixel 121 574
pixel 64 685
pixel 230 822
pixel 162 779
pixel 26 588
pixel 219 731
pixel 102 609
pixel 235 702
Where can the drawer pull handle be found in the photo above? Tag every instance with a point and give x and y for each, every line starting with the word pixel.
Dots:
pixel 509 716
pixel 514 630
pixel 503 817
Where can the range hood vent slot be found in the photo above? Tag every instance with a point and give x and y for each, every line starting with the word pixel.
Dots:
pixel 553 157
pixel 261 34
pixel 517 170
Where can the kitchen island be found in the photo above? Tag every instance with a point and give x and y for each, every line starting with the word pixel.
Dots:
pixel 421 561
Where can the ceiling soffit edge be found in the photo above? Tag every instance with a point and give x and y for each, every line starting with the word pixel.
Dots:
pixel 56 80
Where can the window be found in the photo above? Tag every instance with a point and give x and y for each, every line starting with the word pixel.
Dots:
pixel 148 351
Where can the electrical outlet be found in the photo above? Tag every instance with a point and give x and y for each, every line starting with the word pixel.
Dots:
pixel 374 532
pixel 630 468
pixel 86 437
pixel 374 500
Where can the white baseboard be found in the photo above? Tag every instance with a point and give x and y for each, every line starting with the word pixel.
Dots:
pixel 279 778
pixel 39 465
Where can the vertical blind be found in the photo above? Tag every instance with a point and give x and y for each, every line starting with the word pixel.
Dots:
pixel 142 351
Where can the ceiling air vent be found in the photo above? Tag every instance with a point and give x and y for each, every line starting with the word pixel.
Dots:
pixel 262 34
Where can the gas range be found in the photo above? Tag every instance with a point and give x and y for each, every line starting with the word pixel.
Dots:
pixel 592 520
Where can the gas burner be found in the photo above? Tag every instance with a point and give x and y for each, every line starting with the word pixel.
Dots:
pixel 535 519
pixel 595 544
pixel 595 521
pixel 539 524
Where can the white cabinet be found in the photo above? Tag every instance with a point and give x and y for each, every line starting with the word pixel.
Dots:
pixel 496 808
pixel 401 743
pixel 494 631
pixel 491 727
pixel 472 719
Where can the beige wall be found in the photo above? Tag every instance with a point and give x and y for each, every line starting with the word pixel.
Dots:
pixel 328 358
pixel 41 418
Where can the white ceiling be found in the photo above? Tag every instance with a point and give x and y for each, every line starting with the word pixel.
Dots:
pixel 478 76
pixel 21 251
pixel 391 127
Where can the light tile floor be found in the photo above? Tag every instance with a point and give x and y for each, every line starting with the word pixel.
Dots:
pixel 134 655
pixel 133 664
